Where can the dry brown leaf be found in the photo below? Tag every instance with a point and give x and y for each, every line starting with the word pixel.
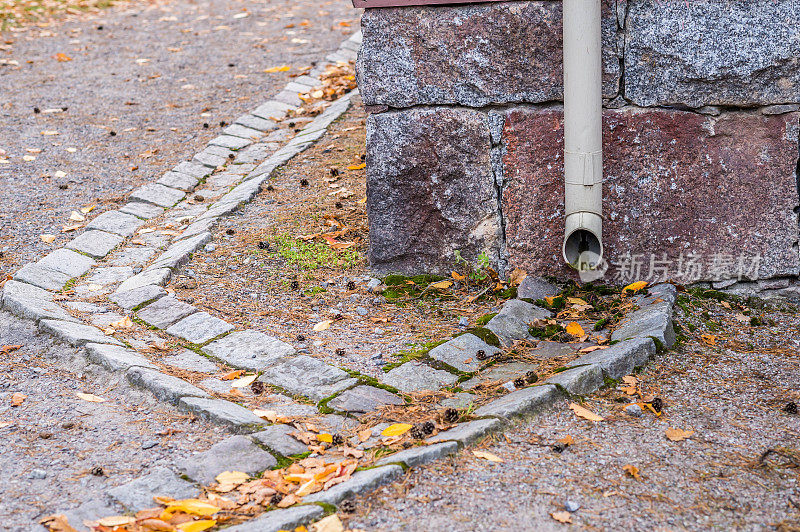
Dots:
pixel 516 277
pixel 441 285
pixel 47 238
pixel 674 434
pixel 289 500
pixel 562 517
pixel 6 349
pixel 709 339
pixel 584 413
pixel 332 523
pixel 57 523
pixel 243 382
pixel 632 470
pixel 17 398
pixel 488 456
pixel 364 435
pixel 124 323
pixel 742 318
pixel 92 398
pixel 117 520
pixel 323 325
pixel 271 416
pixel 592 348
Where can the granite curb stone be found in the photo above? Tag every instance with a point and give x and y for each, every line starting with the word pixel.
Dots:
pixel 164 312
pixel 461 352
pixel 76 334
pixel 199 328
pixel 130 299
pixel 96 244
pixel 361 482
pixel 116 222
pixel 116 358
pixel 235 417
pixel 277 438
pixel 469 432
pixel 249 349
pixel 236 453
pixel 67 262
pixel 279 520
pixel 620 359
pixel 36 275
pixel 165 387
pixel 521 402
pixel 420 455
pixel 137 494
pixel 151 276
pixel 157 195
pixel 578 380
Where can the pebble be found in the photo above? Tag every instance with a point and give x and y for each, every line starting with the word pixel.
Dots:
pixel 572 506
pixel 38 474
pixel 633 410
pixel 210 247
pixel 137 270
pixel 378 330
pixel 361 311
pixel 149 444
pixel 373 284
pixel 463 322
pixel 376 356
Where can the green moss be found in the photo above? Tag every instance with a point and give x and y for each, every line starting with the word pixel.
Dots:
pixel 420 351
pixel 483 320
pixel 600 325
pixel 546 332
pixel 559 302
pixel 484 334
pixel 312 255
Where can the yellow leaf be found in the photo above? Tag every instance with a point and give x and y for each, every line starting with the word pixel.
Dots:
pixel 284 68
pixel 117 520
pixel 487 456
pixel 75 216
pixel 678 434
pixel 442 285
pixel 396 430
pixel 635 287
pixel 332 523
pixel 562 517
pixel 323 325
pixel 575 329
pixel 48 239
pixel 709 339
pixel 306 489
pixel 228 477
pixel 357 166
pixel 92 398
pixel 550 300
pixel 88 208
pixel 576 301
pixel 325 437
pixel 457 276
pixel 62 58
pixel 632 470
pixel 243 382
pixel 197 526
pixel 18 398
pixel 584 413
pixel 193 507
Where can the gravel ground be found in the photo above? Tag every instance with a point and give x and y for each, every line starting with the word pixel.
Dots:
pixel 151 75
pixel 731 394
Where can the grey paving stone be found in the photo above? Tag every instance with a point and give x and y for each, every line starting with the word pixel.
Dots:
pixel 192 361
pixel 210 159
pixel 157 195
pixel 244 132
pixel 415 376
pixel 195 170
pixel 546 350
pixel 231 142
pixel 459 401
pixel 652 321
pixel 620 359
pixel 96 244
pixel 110 275
pixel 500 372
pixel 235 417
pixel 130 299
pixel 664 291
pixel 82 306
pixel 33 303
pixel 117 223
pixel 521 403
pixel 144 211
pixel 467 433
pixel 197 228
pixel 285 406
pixel 272 110
pixel 42 277
pixel 91 510
pixel 178 181
pixel 457 351
pixel 76 334
pixel 133 256
pixel 363 399
pixel 180 252
pixel 103 320
pixel 334 423
pixel 251 350
pixel 165 311
pixel 67 262
pixel 277 438
pixel 138 494
pixel 164 387
pixel 308 81
pixel 534 288
pixel 199 328
pixel 237 453
pixel 362 482
pixel 116 358
pixel 514 319
pixel 420 455
pixel 257 123
pixel 579 380
pixel 304 375
pixel 277 520
pixel 150 276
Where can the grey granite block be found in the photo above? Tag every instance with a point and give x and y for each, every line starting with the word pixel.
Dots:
pixel 420 455
pixel 195 170
pixel 236 453
pixel 193 362
pixel 521 402
pixel 117 223
pixel 360 483
pixel 37 275
pixel 414 377
pixel 514 319
pixel 235 417
pixel 579 380
pixel 278 520
pixel 144 211
pixel 653 321
pixel 138 494
pixel 131 299
pixel 33 303
pixel 164 312
pixel 157 195
pixel 116 358
pixel 231 142
pixel 244 132
pixel 180 252
pixel 164 387
pixel 536 288
pixel 272 110
pixel 251 350
pixel 277 438
pixel 110 275
pixel 304 375
pixel 76 334
pixel 67 262
pixel 461 352
pixel 503 372
pixel 257 123
pixel 96 244
pixel 467 433
pixel 363 399
pixel 178 181
pixel 210 159
pixel 620 359
pixel 199 328
pixel 154 276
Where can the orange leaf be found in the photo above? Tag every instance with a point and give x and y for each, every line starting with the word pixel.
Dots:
pixel 233 375
pixel 357 166
pixel 566 440
pixel 62 58
pixel 562 517
pixel 678 434
pixel 632 470
pixel 709 339
pixel 584 413
pixel 575 329
pixel 18 398
pixel 6 349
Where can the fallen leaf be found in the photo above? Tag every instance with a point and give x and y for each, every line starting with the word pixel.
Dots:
pixel 289 500
pixel 742 318
pixel 325 437
pixel 58 173
pixel 566 440
pixel 709 339
pixel 124 323
pixel 193 507
pixel 117 520
pixel 232 375
pixel 88 208
pixel 396 430
pixel 332 523
pixel 323 325
pixel 57 523
pixel 28 158
pixel 592 348
pixel 575 329
pixel 635 287
pixel 632 470
pixel 674 434
pixel 584 413
pixel 197 526
pixel 271 416
pixel 631 385
pixel 357 166
pixel 62 58
pixel 230 480
pixel 17 398
pixel 92 398
pixel 562 517
pixel 272 70
pixel 75 216
pixel 516 277
pixel 245 381
pixel 487 456
pixel 442 285
pixel 457 276
pixel 48 239
pixel 6 349
pixel 364 435
pixel 156 525
pixel 51 133
pixel 355 453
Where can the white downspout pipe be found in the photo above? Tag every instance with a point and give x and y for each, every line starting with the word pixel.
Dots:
pixel 583 135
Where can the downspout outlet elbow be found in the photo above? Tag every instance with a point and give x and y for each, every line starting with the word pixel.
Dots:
pixel 583 241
